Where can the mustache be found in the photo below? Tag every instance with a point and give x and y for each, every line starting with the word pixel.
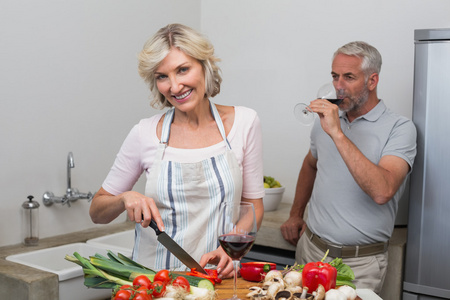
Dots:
pixel 340 94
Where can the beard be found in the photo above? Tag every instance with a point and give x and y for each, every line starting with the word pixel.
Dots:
pixel 356 101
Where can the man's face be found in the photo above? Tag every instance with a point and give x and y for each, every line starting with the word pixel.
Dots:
pixel 349 82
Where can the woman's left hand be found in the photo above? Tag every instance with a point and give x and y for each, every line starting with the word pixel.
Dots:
pixel 221 259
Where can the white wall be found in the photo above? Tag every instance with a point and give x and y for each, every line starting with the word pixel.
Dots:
pixel 69 81
pixel 278 53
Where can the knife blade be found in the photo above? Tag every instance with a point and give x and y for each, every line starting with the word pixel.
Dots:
pixel 176 249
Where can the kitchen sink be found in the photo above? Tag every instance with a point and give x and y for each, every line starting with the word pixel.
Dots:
pixel 122 242
pixel 70 275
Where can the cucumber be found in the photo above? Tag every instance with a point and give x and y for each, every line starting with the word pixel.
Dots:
pixel 206 284
pixel 197 281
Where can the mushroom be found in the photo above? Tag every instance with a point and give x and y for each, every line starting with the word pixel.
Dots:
pixel 320 293
pixel 348 291
pixel 303 295
pixel 254 290
pixel 334 294
pixel 273 275
pixel 257 293
pixel 274 288
pixel 283 295
pixel 295 289
pixel 293 278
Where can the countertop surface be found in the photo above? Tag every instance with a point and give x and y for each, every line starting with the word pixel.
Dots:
pixel 269 235
pixel 15 271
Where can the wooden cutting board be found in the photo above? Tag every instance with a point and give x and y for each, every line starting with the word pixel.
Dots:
pixel 225 288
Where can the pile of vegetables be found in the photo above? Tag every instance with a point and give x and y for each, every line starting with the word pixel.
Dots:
pixel 344 274
pixel 270 182
pixel 282 285
pixel 315 280
pixel 131 280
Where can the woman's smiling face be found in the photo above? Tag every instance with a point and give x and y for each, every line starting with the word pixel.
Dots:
pixel 181 79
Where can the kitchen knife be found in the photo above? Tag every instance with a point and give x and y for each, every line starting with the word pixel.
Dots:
pixel 175 249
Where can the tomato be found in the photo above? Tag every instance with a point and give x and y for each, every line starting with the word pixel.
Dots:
pixel 163 276
pixel 142 297
pixel 122 295
pixel 125 286
pixel 142 280
pixel 143 293
pixel 159 288
pixel 182 282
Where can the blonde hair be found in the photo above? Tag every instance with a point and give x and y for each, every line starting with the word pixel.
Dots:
pixel 191 43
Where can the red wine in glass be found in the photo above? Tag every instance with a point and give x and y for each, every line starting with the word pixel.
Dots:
pixel 335 101
pixel 236 245
pixel 305 115
pixel 236 233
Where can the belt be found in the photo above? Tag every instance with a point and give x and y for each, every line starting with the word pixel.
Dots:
pixel 346 251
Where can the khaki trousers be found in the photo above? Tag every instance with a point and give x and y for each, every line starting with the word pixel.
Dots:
pixel 370 271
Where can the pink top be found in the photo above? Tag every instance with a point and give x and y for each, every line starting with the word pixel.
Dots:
pixel 139 148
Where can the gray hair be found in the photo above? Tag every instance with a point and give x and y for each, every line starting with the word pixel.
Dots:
pixel 371 58
pixel 191 43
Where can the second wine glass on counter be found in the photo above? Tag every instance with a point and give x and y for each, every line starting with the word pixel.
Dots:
pixel 305 115
pixel 236 232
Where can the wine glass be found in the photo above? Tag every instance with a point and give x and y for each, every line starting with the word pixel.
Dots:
pixel 236 231
pixel 305 115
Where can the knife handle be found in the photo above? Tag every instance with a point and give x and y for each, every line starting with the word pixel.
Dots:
pixel 155 227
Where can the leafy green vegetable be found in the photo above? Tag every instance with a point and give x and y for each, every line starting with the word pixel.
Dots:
pixel 345 274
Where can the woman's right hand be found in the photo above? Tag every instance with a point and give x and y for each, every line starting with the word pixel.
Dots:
pixel 105 207
pixel 141 209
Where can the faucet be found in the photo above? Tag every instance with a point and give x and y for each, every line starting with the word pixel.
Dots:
pixel 72 194
pixel 70 165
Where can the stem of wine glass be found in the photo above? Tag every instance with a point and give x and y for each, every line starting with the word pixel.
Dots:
pixel 235 266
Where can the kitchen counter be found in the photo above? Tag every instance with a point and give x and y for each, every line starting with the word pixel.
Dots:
pixel 29 283
pixel 269 234
pixel 23 282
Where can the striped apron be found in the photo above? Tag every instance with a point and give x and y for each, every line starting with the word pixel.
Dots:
pixel 188 196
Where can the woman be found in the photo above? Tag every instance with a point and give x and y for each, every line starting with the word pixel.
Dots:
pixel 195 156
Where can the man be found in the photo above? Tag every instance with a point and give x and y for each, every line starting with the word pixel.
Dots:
pixel 354 174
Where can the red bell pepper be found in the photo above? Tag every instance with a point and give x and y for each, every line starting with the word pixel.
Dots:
pixel 256 271
pixel 212 275
pixel 315 273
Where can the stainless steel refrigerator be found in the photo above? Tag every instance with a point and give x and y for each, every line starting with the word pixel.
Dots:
pixel 427 265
